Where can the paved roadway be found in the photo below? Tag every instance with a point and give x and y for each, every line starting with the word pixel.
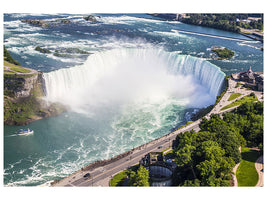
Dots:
pixel 107 171
pixel 100 176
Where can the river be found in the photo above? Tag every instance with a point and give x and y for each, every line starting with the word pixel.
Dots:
pixel 141 79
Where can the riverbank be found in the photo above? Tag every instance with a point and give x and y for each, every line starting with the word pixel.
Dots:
pixel 102 171
pixel 23 96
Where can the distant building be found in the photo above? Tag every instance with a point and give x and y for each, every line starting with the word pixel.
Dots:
pixel 246 20
pixel 253 80
pixel 254 18
pixel 247 76
pixel 152 158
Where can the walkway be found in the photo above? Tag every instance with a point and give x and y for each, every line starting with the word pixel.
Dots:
pixel 259 168
pixel 101 176
pixel 234 175
pixel 232 89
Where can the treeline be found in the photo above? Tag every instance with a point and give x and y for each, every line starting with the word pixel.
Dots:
pixel 206 158
pixel 227 22
pixel 251 25
pixel 8 58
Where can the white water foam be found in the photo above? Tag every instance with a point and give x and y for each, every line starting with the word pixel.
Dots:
pixel 125 20
pixel 124 75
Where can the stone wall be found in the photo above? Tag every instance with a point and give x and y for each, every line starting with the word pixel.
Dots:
pixel 160 176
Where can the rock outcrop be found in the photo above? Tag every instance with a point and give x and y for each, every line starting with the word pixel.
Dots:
pixel 46 23
pixel 20 86
pixel 90 18
pixel 23 99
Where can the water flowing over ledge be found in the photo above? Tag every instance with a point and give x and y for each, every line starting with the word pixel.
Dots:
pixel 129 71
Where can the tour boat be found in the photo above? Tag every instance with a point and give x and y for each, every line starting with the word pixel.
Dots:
pixel 24 132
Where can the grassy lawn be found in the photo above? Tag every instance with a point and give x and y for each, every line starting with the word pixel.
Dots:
pixel 234 96
pixel 244 99
pixel 20 69
pixel 246 172
pixel 9 64
pixel 118 179
pixel 6 71
pixel 16 67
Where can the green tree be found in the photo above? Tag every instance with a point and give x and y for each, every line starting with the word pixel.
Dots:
pixel 216 167
pixel 184 157
pixel 8 57
pixel 139 178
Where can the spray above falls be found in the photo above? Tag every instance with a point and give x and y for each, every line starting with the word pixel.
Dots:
pixel 122 76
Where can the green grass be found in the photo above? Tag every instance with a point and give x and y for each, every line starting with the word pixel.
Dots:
pixel 234 96
pixel 6 71
pixel 9 64
pixel 116 180
pixel 246 172
pixel 20 69
pixel 244 99
pixel 187 123
pixel 16 68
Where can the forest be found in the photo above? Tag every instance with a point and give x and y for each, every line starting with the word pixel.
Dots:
pixel 227 22
pixel 206 158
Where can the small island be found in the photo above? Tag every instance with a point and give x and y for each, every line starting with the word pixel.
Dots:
pixel 223 53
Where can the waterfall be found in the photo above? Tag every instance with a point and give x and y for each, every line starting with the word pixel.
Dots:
pixel 126 72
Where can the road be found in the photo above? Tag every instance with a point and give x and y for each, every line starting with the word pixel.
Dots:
pixel 111 169
pixel 100 176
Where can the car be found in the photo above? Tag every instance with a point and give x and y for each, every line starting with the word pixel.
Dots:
pixel 86 175
pixel 159 147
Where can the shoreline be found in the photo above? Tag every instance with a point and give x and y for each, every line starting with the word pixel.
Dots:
pixel 167 139
pixel 104 170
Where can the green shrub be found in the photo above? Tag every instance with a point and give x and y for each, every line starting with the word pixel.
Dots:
pixel 223 53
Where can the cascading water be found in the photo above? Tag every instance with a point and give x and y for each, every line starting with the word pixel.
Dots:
pixel 125 75
pixel 118 100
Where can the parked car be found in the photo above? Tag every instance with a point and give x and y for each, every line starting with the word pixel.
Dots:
pixel 86 175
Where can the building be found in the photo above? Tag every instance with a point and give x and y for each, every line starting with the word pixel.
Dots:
pixel 247 76
pixel 160 172
pixel 253 80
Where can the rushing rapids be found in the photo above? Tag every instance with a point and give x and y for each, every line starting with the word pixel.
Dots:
pixel 118 99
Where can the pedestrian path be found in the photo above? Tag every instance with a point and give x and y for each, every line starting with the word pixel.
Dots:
pixel 259 168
